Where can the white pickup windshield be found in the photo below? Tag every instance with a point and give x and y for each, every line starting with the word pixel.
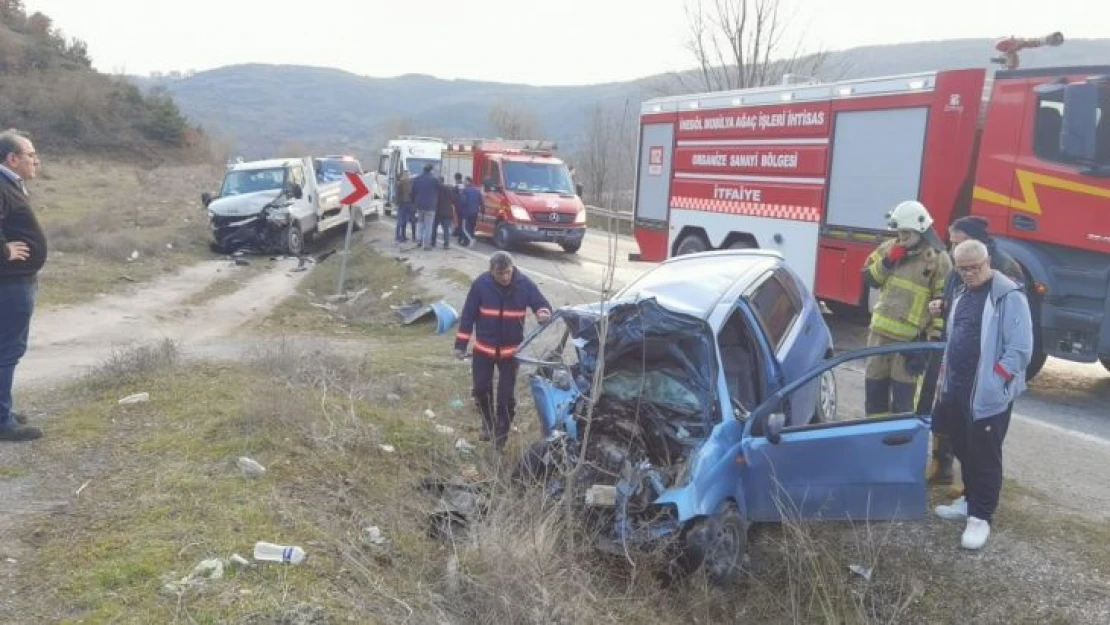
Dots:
pixel 253 180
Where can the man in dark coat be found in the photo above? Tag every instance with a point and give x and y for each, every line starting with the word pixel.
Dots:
pixel 493 316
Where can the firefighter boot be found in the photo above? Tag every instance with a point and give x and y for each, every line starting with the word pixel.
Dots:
pixel 876 397
pixel 484 401
pixel 903 393
pixel 940 467
pixel 506 412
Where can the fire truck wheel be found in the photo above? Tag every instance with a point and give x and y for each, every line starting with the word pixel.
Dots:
pixel 501 237
pixel 1105 360
pixel 691 244
pixel 572 247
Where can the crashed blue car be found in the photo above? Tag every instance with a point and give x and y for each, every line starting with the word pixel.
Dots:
pixel 716 408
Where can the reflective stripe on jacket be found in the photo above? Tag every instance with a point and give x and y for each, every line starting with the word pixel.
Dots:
pixel 902 312
pixel 494 315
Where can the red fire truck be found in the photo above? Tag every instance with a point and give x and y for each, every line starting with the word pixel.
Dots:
pixel 811 170
pixel 528 194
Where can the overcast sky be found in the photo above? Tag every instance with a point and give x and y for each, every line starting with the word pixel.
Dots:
pixel 545 42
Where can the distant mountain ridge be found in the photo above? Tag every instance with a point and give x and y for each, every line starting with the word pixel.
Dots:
pixel 261 109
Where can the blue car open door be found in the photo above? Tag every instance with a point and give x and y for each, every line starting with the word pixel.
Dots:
pixel 857 470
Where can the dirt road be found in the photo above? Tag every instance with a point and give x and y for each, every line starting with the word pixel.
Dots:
pixel 68 341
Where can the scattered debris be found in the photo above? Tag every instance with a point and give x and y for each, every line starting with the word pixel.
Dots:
pixel 456 403
pixel 451 577
pixel 374 535
pixel 327 307
pixel 137 398
pixel 459 502
pixel 270 552
pixel 134 256
pixel 302 264
pixel 863 571
pixel 445 315
pixel 212 569
pixel 128 279
pixel 429 414
pixel 169 246
pixel 446 430
pixel 242 262
pixel 392 398
pixel 209 569
pixel 464 446
pixel 83 486
pixel 239 561
pixel 250 467
pixel 601 496
pixel 387 448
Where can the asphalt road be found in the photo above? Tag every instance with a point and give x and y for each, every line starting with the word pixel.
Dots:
pixel 1059 440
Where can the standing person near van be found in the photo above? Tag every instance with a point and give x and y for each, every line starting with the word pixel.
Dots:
pixel 425 195
pixel 404 207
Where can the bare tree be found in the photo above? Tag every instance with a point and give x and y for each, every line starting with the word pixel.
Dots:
pixel 738 44
pixel 509 120
pixel 607 161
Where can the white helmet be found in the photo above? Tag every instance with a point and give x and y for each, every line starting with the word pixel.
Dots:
pixel 910 215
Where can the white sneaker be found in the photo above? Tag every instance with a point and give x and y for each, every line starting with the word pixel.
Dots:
pixel 975 534
pixel 955 511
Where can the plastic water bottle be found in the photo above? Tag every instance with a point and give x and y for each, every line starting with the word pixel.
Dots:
pixel 270 552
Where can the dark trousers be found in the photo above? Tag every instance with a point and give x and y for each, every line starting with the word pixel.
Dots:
pixel 405 219
pixel 495 419
pixel 17 303
pixel 445 224
pixel 978 447
pixel 468 223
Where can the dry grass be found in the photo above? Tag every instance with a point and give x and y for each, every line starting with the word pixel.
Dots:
pixel 165 494
pixel 98 214
pixel 382 281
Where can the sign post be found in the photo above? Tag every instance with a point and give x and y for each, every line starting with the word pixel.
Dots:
pixel 353 190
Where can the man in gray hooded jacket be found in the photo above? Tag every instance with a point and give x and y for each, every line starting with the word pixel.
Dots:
pixel 990 343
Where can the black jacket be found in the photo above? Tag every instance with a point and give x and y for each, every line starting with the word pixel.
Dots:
pixel 495 314
pixel 18 223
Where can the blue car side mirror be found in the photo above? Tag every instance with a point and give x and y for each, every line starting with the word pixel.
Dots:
pixel 775 423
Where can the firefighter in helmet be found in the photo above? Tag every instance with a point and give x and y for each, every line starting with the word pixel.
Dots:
pixel 909 271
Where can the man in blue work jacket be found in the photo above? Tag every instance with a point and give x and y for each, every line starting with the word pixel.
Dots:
pixel 494 315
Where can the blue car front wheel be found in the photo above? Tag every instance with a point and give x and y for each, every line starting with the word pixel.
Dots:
pixel 718 544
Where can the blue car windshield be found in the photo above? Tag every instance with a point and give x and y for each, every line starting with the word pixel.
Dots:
pixel 654 359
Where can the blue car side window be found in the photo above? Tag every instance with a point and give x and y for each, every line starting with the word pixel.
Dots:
pixel 776 309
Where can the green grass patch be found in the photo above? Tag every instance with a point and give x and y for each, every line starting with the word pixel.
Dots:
pixel 455 276
pixel 170 494
pixel 98 214
pixel 383 281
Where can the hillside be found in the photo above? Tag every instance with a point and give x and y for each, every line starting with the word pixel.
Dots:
pixel 49 89
pixel 261 109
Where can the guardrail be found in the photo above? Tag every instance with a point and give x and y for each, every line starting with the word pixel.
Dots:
pixel 604 212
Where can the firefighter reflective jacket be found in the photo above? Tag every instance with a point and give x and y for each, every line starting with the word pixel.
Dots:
pixel 902 312
pixel 495 314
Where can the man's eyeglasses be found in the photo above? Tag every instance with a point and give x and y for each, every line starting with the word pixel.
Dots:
pixel 968 270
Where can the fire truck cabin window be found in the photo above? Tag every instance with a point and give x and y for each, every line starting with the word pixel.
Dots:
pixel 1050 120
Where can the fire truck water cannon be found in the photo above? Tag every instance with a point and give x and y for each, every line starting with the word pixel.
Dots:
pixel 1010 46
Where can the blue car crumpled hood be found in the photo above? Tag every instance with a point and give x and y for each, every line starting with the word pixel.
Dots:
pixel 654 409
pixel 652 354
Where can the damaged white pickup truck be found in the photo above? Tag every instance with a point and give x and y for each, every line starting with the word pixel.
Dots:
pixel 716 407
